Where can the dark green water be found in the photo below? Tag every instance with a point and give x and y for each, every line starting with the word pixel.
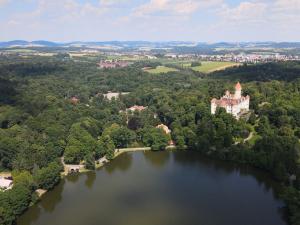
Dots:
pixel 161 188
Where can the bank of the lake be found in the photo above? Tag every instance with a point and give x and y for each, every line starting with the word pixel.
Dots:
pixel 170 187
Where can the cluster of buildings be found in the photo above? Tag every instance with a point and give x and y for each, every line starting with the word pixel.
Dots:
pixel 110 64
pixel 235 104
pixel 237 58
pixel 249 58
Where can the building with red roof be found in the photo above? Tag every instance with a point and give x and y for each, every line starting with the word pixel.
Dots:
pixel 112 64
pixel 235 104
pixel 74 100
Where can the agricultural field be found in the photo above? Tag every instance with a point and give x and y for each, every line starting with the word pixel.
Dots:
pixel 161 69
pixel 209 67
pixel 206 66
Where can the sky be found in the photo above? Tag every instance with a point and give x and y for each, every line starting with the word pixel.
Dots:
pixel 150 20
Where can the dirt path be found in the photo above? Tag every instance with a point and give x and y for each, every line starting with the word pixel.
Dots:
pixel 249 137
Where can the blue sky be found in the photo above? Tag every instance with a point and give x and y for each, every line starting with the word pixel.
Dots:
pixel 152 20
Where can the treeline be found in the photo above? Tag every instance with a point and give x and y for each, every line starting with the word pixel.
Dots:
pixel 15 201
pixel 283 71
pixel 29 68
pixel 7 91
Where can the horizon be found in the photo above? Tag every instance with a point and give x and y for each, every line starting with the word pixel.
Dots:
pixel 158 41
pixel 208 21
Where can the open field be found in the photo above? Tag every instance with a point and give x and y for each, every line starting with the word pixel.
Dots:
pixel 161 69
pixel 208 67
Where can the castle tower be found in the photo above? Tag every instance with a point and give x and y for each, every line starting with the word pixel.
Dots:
pixel 238 91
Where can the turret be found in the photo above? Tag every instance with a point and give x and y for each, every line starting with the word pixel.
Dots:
pixel 238 91
pixel 213 106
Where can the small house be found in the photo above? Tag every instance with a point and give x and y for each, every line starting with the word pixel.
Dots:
pixel 5 183
pixel 164 127
pixel 136 108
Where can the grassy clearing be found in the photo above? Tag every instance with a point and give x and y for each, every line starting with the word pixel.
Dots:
pixel 21 50
pixel 161 69
pixel 208 67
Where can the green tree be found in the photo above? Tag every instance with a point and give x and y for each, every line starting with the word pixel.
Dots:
pixel 156 138
pixel 106 147
pixel 89 160
pixel 48 177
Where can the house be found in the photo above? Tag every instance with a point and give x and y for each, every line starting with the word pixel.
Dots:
pixel 5 184
pixel 234 104
pixel 74 168
pixel 165 128
pixel 110 95
pixel 136 108
pixel 167 131
pixel 74 100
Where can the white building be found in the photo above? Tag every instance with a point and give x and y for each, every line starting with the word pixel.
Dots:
pixel 165 128
pixel 110 95
pixel 235 104
pixel 5 184
pixel 136 108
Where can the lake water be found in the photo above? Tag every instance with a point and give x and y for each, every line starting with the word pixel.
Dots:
pixel 161 188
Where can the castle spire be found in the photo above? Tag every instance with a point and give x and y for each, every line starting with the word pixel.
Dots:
pixel 238 86
pixel 238 91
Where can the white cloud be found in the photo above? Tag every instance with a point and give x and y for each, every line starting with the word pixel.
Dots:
pixel 259 20
pixel 245 12
pixel 113 2
pixel 208 20
pixel 287 6
pixel 4 2
pixel 173 7
pixel 277 13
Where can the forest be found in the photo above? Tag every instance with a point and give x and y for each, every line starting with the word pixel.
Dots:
pixel 39 122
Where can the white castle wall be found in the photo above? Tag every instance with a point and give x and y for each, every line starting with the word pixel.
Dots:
pixel 235 110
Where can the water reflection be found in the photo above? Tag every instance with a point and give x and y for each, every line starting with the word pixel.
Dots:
pixel 52 198
pixel 192 158
pixel 262 178
pixel 47 203
pixel 73 178
pixel 120 163
pixel 157 159
pixel 162 188
pixel 90 179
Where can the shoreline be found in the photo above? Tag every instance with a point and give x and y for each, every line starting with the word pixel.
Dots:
pixel 103 161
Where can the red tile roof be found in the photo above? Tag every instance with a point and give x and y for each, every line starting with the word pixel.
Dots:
pixel 238 86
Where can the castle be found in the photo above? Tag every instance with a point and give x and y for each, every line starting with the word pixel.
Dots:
pixel 235 104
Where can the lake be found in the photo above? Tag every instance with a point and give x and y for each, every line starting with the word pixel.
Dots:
pixel 162 188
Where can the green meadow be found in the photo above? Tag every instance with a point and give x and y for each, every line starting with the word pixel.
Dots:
pixel 161 69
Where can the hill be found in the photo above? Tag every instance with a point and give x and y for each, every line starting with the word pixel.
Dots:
pixel 284 71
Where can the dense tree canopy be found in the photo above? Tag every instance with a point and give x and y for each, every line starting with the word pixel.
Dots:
pixel 39 123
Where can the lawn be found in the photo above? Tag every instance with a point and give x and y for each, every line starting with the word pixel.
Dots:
pixel 208 67
pixel 161 69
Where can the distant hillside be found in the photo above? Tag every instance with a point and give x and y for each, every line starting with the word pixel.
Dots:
pixel 23 43
pixel 286 71
pixel 123 44
pixel 182 45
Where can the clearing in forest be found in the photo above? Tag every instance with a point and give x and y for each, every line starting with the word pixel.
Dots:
pixel 161 69
pixel 209 67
